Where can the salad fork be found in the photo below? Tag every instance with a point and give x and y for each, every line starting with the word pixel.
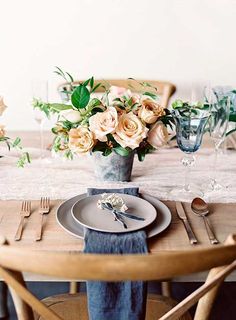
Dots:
pixel 44 209
pixel 25 213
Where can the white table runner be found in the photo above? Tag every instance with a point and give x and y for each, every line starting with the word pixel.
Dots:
pixel 160 174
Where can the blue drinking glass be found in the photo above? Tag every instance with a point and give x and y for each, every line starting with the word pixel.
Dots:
pixel 189 132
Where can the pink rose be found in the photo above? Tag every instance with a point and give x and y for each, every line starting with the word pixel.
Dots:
pixel 158 135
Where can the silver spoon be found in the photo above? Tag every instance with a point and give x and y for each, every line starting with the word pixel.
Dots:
pixel 200 208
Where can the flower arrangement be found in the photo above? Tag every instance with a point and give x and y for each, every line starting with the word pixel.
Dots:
pixel 119 120
pixel 24 158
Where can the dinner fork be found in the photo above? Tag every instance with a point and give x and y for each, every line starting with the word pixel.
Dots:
pixel 43 209
pixel 25 213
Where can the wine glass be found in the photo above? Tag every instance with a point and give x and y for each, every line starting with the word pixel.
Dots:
pixel 219 119
pixel 189 132
pixel 40 93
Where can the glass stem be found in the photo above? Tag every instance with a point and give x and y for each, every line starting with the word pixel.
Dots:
pixel 188 162
pixel 215 164
pixel 41 140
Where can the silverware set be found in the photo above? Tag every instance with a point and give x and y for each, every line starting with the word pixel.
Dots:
pixel 199 208
pixel 25 212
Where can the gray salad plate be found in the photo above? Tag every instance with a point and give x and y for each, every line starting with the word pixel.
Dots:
pixel 69 224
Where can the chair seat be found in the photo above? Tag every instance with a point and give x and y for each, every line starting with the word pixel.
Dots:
pixel 74 306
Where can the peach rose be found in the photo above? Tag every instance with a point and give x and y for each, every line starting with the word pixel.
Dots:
pixel 103 123
pixel 150 111
pixel 130 131
pixel 2 105
pixel 2 131
pixel 80 140
pixel 158 135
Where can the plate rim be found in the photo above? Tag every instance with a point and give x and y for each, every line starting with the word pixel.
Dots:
pixel 168 216
pixel 155 214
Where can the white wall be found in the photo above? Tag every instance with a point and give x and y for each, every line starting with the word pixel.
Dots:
pixel 177 40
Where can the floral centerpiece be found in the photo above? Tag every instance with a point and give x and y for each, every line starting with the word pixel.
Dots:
pixel 117 124
pixel 24 157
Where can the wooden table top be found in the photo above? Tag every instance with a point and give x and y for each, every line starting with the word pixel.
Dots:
pixel 222 217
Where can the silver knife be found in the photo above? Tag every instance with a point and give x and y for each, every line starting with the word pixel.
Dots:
pixel 182 215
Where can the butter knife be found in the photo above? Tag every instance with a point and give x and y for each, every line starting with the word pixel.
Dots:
pixel 182 215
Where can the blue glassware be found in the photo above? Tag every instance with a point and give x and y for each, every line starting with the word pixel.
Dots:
pixel 189 132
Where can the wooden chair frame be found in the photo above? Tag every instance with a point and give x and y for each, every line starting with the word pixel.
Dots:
pixel 14 261
pixel 164 89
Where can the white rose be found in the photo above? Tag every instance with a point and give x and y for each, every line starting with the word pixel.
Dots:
pixel 2 105
pixel 158 135
pixel 150 111
pixel 80 140
pixel 71 115
pixel 103 123
pixel 130 131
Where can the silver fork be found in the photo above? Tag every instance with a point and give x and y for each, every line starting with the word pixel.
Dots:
pixel 44 209
pixel 25 213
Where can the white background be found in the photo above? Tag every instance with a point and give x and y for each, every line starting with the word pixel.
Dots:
pixel 180 41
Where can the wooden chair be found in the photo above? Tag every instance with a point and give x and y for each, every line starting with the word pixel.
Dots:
pixel 14 261
pixel 164 89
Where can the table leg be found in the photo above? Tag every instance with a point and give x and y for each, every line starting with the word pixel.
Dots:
pixel 166 288
pixel 3 300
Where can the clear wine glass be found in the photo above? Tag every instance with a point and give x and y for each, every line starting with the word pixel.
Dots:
pixel 189 132
pixel 40 92
pixel 219 119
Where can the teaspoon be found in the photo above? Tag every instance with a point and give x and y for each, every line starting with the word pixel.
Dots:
pixel 200 208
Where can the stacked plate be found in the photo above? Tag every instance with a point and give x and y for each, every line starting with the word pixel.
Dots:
pixel 80 212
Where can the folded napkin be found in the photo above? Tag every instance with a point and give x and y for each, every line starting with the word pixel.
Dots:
pixel 116 300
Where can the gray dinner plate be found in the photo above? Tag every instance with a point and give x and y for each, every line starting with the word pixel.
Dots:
pixel 87 213
pixel 67 222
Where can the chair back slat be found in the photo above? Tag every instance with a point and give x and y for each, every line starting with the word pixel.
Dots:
pixel 164 265
pixel 22 309
pixel 164 89
pixel 117 267
pixel 192 299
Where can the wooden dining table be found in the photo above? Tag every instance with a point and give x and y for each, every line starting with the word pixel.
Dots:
pixel 222 215
pixel 160 175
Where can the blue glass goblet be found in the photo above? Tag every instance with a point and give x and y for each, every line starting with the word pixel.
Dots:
pixel 189 132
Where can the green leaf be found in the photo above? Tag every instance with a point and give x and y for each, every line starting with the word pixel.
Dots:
pixel 141 154
pixel 92 82
pixel 95 88
pixel 86 82
pixel 152 95
pixel 232 117
pixel 80 97
pixel 16 142
pixel 94 103
pixel 59 107
pixel 70 76
pixel 124 152
pixel 177 104
pixel 231 131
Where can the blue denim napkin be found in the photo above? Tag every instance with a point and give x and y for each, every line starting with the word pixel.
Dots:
pixel 116 300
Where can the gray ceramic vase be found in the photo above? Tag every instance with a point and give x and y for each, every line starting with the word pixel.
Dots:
pixel 113 167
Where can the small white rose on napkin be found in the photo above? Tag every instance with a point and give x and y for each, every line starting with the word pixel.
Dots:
pixel 116 201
